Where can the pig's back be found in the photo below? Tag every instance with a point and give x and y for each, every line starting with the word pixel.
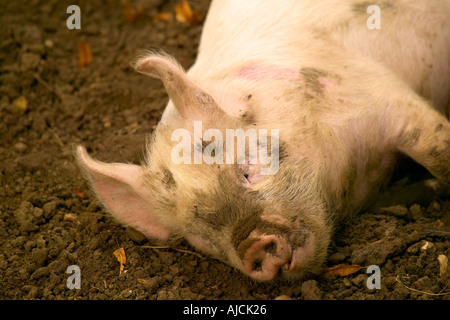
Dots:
pixel 414 39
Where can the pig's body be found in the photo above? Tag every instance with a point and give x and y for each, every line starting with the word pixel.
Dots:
pixel 346 101
pixel 333 72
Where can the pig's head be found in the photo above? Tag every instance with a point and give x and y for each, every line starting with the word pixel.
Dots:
pixel 268 226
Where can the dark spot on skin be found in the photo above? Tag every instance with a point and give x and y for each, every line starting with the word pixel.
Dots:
pixel 361 8
pixel 434 152
pixel 409 138
pixel 266 227
pixel 195 211
pixel 222 208
pixel 168 178
pixel 249 97
pixel 312 83
pixel 205 144
pixel 206 102
pixel 216 217
pixel 243 227
pixel 282 152
pixel 438 127
pixel 298 241
pixel 441 162
pixel 247 117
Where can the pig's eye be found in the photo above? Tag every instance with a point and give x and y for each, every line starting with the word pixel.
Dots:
pixel 250 174
pixel 246 174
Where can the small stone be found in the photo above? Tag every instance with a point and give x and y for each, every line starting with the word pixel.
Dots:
pixel 336 258
pixel 38 212
pixel 21 103
pixel 151 284
pixel 428 247
pixel 443 265
pixel 135 235
pixel 416 211
pixel 29 61
pixel 162 295
pixel 33 161
pixel 24 216
pixel 166 258
pixel 39 256
pixel 20 147
pixel 49 208
pixel 283 297
pixel 126 293
pixel 48 43
pixel 434 206
pixel 398 211
pixel 347 283
pixel 311 291
pixel 414 249
pixel 43 271
pixel 423 283
pixel 360 280
pixel 71 217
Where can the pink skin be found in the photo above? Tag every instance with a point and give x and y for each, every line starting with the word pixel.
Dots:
pixel 272 73
pixel 259 72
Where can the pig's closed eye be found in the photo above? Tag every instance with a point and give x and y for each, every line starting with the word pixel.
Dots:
pixel 250 174
pixel 246 174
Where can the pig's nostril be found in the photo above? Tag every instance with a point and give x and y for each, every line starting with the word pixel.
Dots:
pixel 271 248
pixel 257 265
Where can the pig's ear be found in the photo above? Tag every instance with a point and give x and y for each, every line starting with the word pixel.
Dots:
pixel 191 101
pixel 120 188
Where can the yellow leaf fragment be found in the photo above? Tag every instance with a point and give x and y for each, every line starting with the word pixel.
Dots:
pixel 185 14
pixel 120 255
pixel 164 16
pixel 341 270
pixel 21 103
pixel 130 13
pixel 85 56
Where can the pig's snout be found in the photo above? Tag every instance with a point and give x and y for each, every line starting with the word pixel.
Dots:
pixel 264 258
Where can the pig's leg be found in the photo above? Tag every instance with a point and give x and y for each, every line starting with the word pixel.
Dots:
pixel 423 134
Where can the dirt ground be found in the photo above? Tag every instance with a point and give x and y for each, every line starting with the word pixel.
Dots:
pixel 49 220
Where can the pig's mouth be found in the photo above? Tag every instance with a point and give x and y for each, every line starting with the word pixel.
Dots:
pixel 300 257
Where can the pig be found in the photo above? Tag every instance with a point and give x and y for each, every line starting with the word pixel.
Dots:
pixel 345 100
